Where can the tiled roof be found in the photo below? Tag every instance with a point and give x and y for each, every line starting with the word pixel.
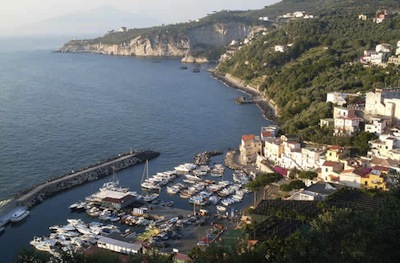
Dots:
pixel 335 147
pixel 330 163
pixel 248 137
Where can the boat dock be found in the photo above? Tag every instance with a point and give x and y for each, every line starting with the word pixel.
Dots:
pixel 38 193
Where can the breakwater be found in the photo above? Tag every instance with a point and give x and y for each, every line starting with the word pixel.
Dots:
pixel 231 160
pixel 204 157
pixel 38 193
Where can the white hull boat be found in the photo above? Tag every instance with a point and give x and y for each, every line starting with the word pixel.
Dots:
pixel 19 215
pixel 221 208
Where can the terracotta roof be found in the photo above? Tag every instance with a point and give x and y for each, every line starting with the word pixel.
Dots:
pixel 248 137
pixel 330 163
pixel 348 171
pixel 383 162
pixel 267 134
pixel 334 177
pixel 381 168
pixel 335 147
pixel 362 171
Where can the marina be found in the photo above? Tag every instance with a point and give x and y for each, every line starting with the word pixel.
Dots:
pixel 115 211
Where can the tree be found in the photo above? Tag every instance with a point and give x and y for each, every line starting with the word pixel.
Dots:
pixel 308 175
pixel 261 181
pixel 297 184
pixel 361 141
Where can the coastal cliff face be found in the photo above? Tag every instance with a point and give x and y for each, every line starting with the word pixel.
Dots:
pixel 166 42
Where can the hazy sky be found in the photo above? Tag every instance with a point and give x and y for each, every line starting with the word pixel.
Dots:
pixel 16 13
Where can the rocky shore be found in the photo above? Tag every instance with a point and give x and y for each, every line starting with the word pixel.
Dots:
pixel 267 106
pixel 38 193
pixel 230 162
pixel 204 157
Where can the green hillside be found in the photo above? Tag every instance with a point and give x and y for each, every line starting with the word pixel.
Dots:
pixel 323 57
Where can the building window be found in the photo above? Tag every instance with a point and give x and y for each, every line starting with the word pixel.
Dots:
pixel 366 182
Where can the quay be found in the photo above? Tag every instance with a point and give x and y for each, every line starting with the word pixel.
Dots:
pixel 38 193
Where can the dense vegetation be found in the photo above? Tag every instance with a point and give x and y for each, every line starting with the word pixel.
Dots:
pixel 323 57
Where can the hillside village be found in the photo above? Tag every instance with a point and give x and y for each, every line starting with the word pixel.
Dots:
pixel 378 114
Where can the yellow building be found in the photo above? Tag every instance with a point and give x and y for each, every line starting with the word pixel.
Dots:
pixel 335 153
pixel 375 179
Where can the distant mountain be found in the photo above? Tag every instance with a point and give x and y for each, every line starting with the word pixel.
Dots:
pixel 91 22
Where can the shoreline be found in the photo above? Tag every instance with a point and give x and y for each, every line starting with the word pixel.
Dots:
pixel 268 110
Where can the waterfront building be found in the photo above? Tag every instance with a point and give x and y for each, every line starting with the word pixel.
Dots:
pixel 273 148
pixel 249 148
pixel 113 199
pixel 119 245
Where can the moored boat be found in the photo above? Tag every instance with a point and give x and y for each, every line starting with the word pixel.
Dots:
pixel 19 215
pixel 221 208
pixel 150 197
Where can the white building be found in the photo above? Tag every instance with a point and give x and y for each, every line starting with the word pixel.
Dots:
pixel 336 98
pixel 398 48
pixel 345 121
pixel 385 147
pixel 384 102
pixel 119 246
pixel 280 48
pixel 383 48
pixel 250 147
pixel 376 125
pixel 350 179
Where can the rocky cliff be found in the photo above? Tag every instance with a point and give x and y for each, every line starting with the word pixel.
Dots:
pixel 167 41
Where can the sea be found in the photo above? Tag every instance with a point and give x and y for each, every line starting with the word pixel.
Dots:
pixel 60 112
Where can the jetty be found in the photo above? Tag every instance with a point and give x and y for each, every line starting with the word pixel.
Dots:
pixel 38 193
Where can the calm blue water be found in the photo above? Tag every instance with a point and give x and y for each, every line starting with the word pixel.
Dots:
pixel 60 112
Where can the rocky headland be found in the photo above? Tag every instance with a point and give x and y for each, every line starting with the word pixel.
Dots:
pixel 185 41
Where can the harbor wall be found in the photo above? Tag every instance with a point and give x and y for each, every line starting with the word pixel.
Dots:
pixel 38 193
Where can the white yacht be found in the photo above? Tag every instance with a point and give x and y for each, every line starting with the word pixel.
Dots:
pixel 18 215
pixel 221 208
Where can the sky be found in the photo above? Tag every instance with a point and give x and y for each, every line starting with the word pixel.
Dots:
pixel 17 14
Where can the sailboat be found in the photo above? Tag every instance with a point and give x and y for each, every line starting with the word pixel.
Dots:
pixel 113 185
pixel 146 182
